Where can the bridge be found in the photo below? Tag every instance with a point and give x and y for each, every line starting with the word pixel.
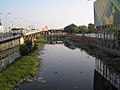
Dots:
pixel 10 43
pixel 53 32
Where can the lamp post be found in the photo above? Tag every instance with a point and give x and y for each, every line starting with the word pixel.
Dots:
pixel 21 22
pixel 5 14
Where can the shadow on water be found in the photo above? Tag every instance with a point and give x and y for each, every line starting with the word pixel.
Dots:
pixel 107 67
pixel 62 73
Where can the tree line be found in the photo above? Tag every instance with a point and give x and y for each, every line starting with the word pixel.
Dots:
pixel 72 28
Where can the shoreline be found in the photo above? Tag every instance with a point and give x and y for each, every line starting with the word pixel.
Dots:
pixel 22 69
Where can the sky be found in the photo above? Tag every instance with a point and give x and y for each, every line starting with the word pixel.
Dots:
pixel 52 13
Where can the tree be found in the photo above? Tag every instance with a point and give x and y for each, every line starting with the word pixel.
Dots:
pixel 91 28
pixel 82 29
pixel 72 28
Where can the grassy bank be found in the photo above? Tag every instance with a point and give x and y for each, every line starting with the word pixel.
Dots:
pixel 40 41
pixel 24 67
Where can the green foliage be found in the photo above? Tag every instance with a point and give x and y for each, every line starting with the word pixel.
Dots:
pixel 24 50
pixel 40 41
pixel 82 29
pixel 118 35
pixel 72 28
pixel 27 48
pixel 24 66
pixel 91 28
pixel 29 44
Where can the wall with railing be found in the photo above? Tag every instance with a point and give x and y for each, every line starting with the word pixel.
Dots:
pixel 109 74
pixel 109 36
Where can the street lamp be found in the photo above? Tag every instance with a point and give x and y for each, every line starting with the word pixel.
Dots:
pixel 6 14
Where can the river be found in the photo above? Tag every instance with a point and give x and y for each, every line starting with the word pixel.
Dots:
pixel 66 67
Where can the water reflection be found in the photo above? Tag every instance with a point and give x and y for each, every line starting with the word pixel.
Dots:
pixel 69 44
pixel 55 39
pixel 105 78
pixel 68 65
pixel 107 69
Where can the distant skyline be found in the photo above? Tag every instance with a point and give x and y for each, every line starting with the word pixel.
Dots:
pixel 51 13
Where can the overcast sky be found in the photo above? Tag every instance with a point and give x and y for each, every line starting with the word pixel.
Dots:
pixel 53 13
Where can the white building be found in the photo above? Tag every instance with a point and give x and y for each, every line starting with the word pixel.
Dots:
pixel 1 27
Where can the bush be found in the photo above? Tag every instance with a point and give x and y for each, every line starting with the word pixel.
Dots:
pixel 24 50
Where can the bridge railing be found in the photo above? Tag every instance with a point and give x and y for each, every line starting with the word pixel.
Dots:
pixel 26 32
pixel 12 35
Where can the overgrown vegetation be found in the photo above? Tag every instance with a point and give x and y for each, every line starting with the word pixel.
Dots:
pixel 72 28
pixel 27 48
pixel 40 41
pixel 24 67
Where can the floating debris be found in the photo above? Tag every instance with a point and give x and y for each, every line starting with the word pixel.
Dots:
pixel 55 72
pixel 80 72
pixel 41 80
pixel 29 80
pixel 35 79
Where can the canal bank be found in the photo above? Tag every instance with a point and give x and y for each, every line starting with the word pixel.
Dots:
pixel 94 41
pixel 61 69
pixel 23 68
pixel 107 67
pixel 64 66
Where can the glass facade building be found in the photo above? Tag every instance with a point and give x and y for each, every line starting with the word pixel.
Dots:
pixel 106 12
pixel 107 22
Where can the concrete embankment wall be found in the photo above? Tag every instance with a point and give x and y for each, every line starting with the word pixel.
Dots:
pixel 83 38
pixel 9 51
pixel 8 60
pixel 8 56
pixel 9 47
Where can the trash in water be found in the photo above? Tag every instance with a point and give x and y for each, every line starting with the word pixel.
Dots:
pixel 55 72
pixel 41 80
pixel 29 80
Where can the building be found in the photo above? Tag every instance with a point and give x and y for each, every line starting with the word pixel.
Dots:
pixel 107 21
pixel 1 27
pixel 106 12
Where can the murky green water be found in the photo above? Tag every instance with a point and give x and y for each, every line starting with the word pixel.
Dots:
pixel 69 68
